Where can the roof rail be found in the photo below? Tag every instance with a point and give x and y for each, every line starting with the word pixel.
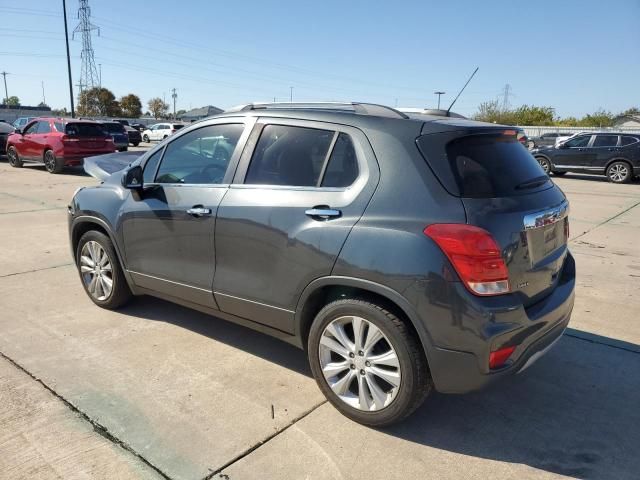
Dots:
pixel 354 107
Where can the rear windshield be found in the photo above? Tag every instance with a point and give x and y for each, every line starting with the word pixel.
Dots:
pixel 85 130
pixel 177 126
pixel 484 166
pixel 113 127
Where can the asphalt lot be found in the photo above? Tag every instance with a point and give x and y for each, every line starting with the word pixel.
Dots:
pixel 159 391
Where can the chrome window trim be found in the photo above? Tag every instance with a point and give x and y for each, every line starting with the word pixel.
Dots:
pixel 546 217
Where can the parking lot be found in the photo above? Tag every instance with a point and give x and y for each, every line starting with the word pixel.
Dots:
pixel 159 391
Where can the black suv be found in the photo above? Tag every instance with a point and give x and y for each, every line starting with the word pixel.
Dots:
pixel 404 253
pixel 616 155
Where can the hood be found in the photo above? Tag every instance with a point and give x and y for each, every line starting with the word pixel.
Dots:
pixel 103 166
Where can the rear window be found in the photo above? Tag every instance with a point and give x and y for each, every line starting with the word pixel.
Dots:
pixel 85 130
pixel 484 166
pixel 177 126
pixel 113 127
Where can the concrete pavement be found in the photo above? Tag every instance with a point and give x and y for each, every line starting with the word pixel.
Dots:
pixel 182 395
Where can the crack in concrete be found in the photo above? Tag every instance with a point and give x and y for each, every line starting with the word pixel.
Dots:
pixel 97 427
pixel 606 221
pixel 261 443
pixel 36 270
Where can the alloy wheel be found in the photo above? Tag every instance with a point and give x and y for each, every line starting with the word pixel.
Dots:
pixel 96 271
pixel 618 172
pixel 12 157
pixel 359 363
pixel 49 161
pixel 544 164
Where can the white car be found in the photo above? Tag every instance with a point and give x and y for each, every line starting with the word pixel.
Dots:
pixel 160 131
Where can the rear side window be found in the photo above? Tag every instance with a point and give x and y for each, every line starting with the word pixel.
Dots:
pixel 628 140
pixel 605 141
pixel 342 168
pixel 59 126
pixel 287 155
pixel 484 166
pixel 85 130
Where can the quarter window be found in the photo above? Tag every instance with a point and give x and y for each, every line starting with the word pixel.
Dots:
pixel 342 168
pixel 581 141
pixel 200 156
pixel 605 141
pixel 628 140
pixel 287 155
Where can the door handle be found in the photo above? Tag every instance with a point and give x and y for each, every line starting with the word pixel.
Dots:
pixel 323 212
pixel 199 211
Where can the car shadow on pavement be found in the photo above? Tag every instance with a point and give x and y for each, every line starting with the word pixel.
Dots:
pixel 574 413
pixel 236 336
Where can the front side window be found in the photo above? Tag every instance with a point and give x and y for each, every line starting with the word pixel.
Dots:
pixel 43 127
pixel 605 141
pixel 288 155
pixel 31 128
pixel 342 168
pixel 581 141
pixel 200 156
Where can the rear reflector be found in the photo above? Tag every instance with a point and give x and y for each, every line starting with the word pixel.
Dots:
pixel 499 357
pixel 474 254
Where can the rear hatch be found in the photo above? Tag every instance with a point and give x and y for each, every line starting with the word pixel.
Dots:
pixel 81 138
pixel 117 132
pixel 506 192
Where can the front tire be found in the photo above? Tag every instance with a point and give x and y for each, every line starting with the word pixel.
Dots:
pixel 559 174
pixel 100 271
pixel 52 163
pixel 367 362
pixel 145 139
pixel 14 158
pixel 619 172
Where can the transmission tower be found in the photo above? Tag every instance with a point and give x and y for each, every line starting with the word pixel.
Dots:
pixel 88 71
pixel 506 93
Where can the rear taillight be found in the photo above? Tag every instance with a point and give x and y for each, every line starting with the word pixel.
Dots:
pixel 173 130
pixel 474 254
pixel 67 139
pixel 500 357
pixel 108 139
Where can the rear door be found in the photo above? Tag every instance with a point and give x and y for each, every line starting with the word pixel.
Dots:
pixel 294 200
pixel 168 228
pixel 605 148
pixel 41 138
pixel 575 154
pixel 506 192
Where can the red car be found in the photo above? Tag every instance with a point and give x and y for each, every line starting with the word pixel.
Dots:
pixel 57 142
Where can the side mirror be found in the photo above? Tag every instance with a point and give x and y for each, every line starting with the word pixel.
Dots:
pixel 18 131
pixel 562 145
pixel 133 178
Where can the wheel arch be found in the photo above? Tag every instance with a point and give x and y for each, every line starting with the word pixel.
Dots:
pixel 326 289
pixel 619 159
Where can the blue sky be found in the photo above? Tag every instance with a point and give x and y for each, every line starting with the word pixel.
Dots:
pixel 574 56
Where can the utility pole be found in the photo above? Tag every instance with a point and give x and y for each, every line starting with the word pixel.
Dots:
pixel 174 95
pixel 88 70
pixel 6 95
pixel 66 37
pixel 506 93
pixel 44 99
pixel 291 94
pixel 439 95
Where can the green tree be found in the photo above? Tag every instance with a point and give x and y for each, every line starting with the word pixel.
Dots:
pixel 98 102
pixel 631 111
pixel 532 115
pixel 600 118
pixel 489 112
pixel 131 106
pixel 13 101
pixel 157 107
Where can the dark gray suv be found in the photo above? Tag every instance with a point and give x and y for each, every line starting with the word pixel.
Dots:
pixel 404 253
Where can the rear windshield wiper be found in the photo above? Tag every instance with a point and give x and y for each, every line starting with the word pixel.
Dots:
pixel 536 182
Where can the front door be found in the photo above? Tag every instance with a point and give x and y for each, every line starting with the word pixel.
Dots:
pixel 575 154
pixel 27 145
pixel 168 228
pixel 282 223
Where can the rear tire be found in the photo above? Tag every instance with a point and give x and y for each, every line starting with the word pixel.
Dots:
pixel 352 373
pixel 92 247
pixel 619 172
pixel 559 174
pixel 52 163
pixel 135 144
pixel 545 164
pixel 14 159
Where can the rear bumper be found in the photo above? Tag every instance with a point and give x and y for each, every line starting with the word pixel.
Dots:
pixel 534 330
pixel 78 159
